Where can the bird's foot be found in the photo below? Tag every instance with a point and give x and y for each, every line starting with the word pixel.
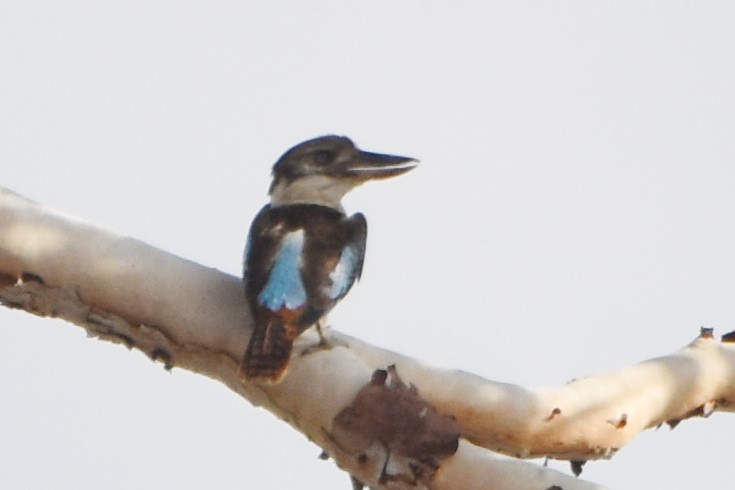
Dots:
pixel 324 344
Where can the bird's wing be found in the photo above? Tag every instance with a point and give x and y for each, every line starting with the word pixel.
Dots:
pixel 284 288
pixel 349 266
pixel 272 263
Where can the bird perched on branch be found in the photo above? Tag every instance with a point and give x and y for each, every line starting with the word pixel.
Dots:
pixel 303 252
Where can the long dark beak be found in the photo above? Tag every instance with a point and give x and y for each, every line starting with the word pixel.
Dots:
pixel 366 165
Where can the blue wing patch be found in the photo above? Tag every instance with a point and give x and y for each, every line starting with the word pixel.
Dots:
pixel 343 275
pixel 285 287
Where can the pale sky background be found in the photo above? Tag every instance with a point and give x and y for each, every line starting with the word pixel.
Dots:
pixel 573 212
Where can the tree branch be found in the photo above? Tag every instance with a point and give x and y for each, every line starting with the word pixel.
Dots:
pixel 192 317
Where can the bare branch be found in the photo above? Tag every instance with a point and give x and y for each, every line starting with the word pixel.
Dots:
pixel 189 316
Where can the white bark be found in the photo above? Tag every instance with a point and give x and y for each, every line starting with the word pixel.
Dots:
pixel 193 317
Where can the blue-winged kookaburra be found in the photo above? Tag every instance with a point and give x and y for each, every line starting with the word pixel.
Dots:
pixel 304 253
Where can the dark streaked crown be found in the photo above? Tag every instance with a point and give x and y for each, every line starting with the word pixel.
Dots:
pixel 315 156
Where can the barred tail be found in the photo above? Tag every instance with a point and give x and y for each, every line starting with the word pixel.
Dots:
pixel 268 352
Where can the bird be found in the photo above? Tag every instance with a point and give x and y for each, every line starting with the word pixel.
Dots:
pixel 303 252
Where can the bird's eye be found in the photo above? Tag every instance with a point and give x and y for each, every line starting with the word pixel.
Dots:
pixel 323 157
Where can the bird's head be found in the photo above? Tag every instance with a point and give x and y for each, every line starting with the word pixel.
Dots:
pixel 324 169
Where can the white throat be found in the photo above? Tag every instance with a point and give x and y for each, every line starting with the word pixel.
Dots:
pixel 312 189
